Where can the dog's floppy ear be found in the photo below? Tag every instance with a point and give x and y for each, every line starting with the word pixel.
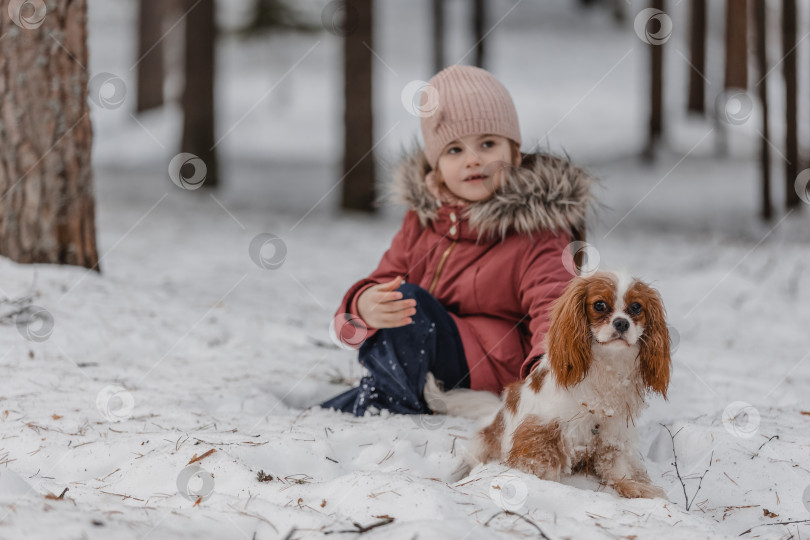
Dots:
pixel 654 355
pixel 569 336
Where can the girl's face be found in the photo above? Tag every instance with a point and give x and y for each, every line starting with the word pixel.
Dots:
pixel 473 166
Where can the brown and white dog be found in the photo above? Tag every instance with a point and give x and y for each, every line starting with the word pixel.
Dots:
pixel 607 346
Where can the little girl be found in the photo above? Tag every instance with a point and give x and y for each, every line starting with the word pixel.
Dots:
pixel 464 290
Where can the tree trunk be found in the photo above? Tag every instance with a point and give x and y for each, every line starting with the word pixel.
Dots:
pixel 198 95
pixel 656 126
pixel 762 67
pixel 479 21
pixel 789 69
pixel 150 55
pixel 358 159
pixel 438 35
pixel 736 44
pixel 697 52
pixel 47 211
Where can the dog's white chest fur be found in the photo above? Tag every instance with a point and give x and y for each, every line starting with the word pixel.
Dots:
pixel 599 410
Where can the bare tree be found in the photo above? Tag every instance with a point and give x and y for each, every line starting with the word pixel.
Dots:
pixel 198 95
pixel 47 211
pixel 150 55
pixel 358 159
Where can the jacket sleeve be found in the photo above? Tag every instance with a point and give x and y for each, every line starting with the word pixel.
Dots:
pixel 542 281
pixel 349 328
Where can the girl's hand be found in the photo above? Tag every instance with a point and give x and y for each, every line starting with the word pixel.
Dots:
pixel 382 306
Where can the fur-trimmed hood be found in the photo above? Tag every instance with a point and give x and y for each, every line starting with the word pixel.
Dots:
pixel 545 192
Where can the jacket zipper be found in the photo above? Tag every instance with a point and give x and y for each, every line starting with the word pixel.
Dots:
pixel 441 265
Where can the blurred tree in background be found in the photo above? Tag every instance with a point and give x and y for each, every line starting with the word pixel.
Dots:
pixel 359 190
pixel 789 46
pixel 198 93
pixel 697 53
pixel 269 15
pixel 150 54
pixel 199 67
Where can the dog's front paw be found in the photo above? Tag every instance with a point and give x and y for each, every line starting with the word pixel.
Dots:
pixel 633 489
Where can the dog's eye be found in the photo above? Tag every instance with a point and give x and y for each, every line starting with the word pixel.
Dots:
pixel 600 306
pixel 634 309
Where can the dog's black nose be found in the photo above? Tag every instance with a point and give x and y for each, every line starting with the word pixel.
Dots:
pixel 621 325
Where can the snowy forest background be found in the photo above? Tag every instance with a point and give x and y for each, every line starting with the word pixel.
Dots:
pixel 169 394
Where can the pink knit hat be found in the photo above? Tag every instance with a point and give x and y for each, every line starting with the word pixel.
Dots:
pixel 465 100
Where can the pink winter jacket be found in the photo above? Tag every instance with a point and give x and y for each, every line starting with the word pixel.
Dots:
pixel 495 265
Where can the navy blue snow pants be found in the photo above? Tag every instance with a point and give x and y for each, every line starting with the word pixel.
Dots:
pixel 398 360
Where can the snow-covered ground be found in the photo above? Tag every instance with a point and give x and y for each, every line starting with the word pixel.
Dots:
pixel 192 343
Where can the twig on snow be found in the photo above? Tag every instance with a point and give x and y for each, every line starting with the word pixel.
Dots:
pixel 200 458
pixel 678 472
pixel 360 529
pixel 763 444
pixel 57 497
pixel 779 523
pixel 121 495
pixel 524 518
pixel 253 515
